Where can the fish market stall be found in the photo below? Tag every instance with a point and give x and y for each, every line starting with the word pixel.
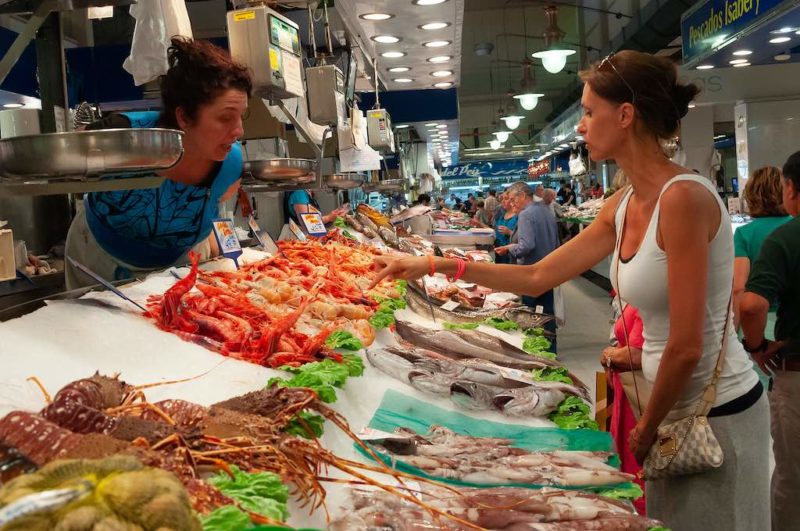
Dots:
pixel 426 398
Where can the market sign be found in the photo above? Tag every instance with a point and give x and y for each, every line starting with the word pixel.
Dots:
pixel 712 24
pixel 511 169
pixel 537 169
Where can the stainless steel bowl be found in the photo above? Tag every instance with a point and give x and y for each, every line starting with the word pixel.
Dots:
pixel 343 181
pixel 291 171
pixel 89 153
pixel 388 185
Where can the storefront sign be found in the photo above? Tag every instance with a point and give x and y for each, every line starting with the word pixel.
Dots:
pixel 713 23
pixel 513 169
pixel 537 169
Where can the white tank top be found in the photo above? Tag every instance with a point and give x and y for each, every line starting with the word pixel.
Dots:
pixel 643 283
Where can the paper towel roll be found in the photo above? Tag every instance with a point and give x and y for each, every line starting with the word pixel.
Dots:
pixel 19 122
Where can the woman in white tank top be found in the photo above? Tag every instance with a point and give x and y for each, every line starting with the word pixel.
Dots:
pixel 674 236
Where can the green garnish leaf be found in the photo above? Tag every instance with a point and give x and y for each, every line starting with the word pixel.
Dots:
pixel 382 319
pixel 538 346
pixel 401 286
pixel 501 324
pixel 534 332
pixel 324 376
pixel 262 493
pixel 552 374
pixel 460 326
pixel 344 340
pixel 226 518
pixel 340 222
pixel 303 422
pixel 628 491
pixel 572 414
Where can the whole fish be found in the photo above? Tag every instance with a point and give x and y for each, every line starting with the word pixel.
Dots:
pixel 368 224
pixel 390 363
pixel 389 237
pixel 528 401
pixel 459 344
pixel 522 315
pixel 473 395
pixel 353 222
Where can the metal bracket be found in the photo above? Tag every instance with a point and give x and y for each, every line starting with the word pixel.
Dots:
pixel 25 37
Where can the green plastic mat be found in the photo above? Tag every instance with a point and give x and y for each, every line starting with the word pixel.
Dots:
pixel 399 410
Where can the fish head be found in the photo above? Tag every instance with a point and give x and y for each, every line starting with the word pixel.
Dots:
pixel 517 402
pixel 471 395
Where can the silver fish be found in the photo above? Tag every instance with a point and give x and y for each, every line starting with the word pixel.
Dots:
pixel 522 315
pixel 430 382
pixel 389 237
pixel 528 401
pixel 353 222
pixel 367 223
pixel 473 395
pixel 390 363
pixel 459 344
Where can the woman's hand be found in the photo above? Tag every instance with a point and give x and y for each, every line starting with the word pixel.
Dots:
pixel 619 359
pixel 502 250
pixel 640 440
pixel 505 230
pixel 407 268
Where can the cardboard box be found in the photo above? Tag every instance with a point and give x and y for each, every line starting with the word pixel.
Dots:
pixel 8 269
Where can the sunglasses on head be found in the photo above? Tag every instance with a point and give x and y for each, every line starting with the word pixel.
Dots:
pixel 608 60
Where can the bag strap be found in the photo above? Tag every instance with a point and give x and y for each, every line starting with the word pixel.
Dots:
pixel 710 393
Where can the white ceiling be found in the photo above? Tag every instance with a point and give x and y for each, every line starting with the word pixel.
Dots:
pixel 407 17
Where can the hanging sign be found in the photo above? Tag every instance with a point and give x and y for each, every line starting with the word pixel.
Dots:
pixel 714 23
pixel 537 169
pixel 228 243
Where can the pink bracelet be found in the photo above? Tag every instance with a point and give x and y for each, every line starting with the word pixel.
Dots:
pixel 461 268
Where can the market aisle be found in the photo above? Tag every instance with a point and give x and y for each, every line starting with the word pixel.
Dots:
pixel 586 333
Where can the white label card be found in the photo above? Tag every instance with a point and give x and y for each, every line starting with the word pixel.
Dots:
pixel 450 305
pixel 314 224
pixel 539 309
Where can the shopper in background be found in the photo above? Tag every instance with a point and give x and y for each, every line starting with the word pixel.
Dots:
pixel 499 210
pixel 625 357
pixel 674 240
pixel 549 199
pixel 481 216
pixel 423 199
pixel 469 204
pixel 538 193
pixel 440 204
pixel 562 191
pixel 504 227
pixel 536 237
pixel 764 198
pixel 596 192
pixel 569 196
pixel 775 277
pixel 490 204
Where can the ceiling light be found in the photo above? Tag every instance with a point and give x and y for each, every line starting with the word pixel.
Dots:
pixel 738 61
pixel 742 52
pixel 528 97
pixel 554 60
pixel 13 105
pixel 783 57
pixel 442 126
pixel 502 136
pixel 692 105
pixel 494 144
pixel 528 101
pixel 442 73
pixel 385 39
pixel 428 2
pixel 402 126
pixel 554 57
pixel 785 29
pixel 393 55
pixel 779 40
pixel 737 65
pixel 430 26
pixel 403 80
pixel 376 16
pixel 432 124
pixel 398 69
pixel 705 67
pixel 444 84
pixel 512 122
pixel 439 59
pixel 436 44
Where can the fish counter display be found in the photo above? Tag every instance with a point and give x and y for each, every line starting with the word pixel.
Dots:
pixel 248 397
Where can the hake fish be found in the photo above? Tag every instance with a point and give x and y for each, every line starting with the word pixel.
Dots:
pixel 522 315
pixel 460 344
pixel 389 236
pixel 528 401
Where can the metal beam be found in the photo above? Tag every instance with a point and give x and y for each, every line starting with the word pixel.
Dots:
pixel 25 37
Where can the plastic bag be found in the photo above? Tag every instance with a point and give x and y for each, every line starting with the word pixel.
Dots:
pixel 157 21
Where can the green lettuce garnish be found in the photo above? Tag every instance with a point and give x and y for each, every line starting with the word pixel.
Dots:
pixel 628 491
pixel 460 326
pixel 306 425
pixel 536 345
pixel 534 332
pixel 226 518
pixel 391 305
pixel 340 222
pixel 347 234
pixel 501 324
pixel 262 493
pixel 552 374
pixel 401 286
pixel 382 319
pixel 344 340
pixel 572 414
pixel 322 376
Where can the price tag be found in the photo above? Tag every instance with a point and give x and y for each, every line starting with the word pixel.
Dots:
pixel 228 243
pixel 450 305
pixel 539 309
pixel 264 239
pixel 314 224
pixel 297 231
pixel 515 374
pixel 371 434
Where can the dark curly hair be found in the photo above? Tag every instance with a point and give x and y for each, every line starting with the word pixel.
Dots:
pixel 198 73
pixel 649 82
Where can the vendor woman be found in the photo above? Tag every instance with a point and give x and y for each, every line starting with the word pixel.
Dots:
pixel 127 234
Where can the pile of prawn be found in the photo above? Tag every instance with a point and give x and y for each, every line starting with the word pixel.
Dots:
pixel 278 311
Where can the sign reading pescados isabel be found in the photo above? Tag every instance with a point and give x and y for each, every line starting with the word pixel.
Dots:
pixel 713 22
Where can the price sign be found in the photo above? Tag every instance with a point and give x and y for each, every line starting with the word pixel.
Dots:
pixel 264 239
pixel 228 243
pixel 297 231
pixel 314 224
